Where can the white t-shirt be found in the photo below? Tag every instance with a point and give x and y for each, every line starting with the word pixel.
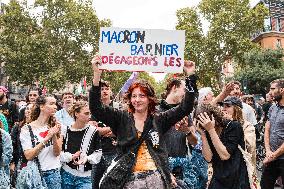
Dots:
pixel 46 157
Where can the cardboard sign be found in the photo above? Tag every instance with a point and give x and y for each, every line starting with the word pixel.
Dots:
pixel 142 50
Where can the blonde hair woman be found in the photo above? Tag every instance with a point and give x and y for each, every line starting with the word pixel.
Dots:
pixel 81 148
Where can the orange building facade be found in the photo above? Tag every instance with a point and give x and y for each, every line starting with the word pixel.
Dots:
pixel 272 35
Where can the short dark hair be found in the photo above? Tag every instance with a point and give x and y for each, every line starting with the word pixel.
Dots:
pixel 237 83
pixel 171 83
pixel 33 88
pixel 67 93
pixel 105 83
pixel 279 83
pixel 81 97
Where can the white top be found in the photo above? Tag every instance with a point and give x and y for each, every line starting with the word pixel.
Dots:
pixel 249 114
pixel 64 117
pixel 46 157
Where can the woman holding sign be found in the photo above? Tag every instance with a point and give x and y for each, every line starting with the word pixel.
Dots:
pixel 142 159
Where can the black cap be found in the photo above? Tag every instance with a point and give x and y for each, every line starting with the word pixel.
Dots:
pixel 232 100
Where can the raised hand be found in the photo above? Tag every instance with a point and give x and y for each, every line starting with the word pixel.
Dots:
pixel 96 61
pixel 228 88
pixel 189 67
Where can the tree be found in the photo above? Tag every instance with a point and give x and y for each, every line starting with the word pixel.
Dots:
pixel 228 35
pixel 117 79
pixel 261 68
pixel 53 46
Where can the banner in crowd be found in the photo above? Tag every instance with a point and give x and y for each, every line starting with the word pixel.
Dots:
pixel 142 49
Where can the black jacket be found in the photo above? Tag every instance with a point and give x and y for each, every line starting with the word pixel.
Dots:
pixel 123 126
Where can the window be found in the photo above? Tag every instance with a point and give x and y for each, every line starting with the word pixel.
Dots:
pixel 278 24
pixel 278 43
pixel 267 24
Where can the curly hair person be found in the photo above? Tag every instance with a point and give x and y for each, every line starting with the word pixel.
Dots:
pixel 76 108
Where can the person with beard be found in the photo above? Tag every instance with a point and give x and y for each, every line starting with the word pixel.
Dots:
pixel 62 115
pixel 176 139
pixel 274 138
pixel 108 139
pixel 8 108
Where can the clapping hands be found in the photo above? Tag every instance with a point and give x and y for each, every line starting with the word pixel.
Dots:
pixel 79 158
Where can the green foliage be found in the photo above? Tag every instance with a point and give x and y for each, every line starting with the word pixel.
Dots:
pixel 261 68
pixel 228 36
pixel 53 46
pixel 159 87
pixel 116 79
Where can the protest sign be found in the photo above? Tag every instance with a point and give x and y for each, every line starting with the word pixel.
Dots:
pixel 142 49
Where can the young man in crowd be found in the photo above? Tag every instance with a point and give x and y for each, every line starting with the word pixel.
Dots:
pixel 178 142
pixel 33 94
pixel 62 115
pixel 274 138
pixel 108 140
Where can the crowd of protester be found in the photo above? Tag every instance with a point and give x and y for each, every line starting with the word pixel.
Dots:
pixel 190 139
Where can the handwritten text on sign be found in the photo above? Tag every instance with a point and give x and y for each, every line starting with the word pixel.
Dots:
pixel 142 50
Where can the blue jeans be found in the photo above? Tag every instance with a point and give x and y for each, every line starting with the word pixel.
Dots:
pixel 70 181
pixel 52 178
